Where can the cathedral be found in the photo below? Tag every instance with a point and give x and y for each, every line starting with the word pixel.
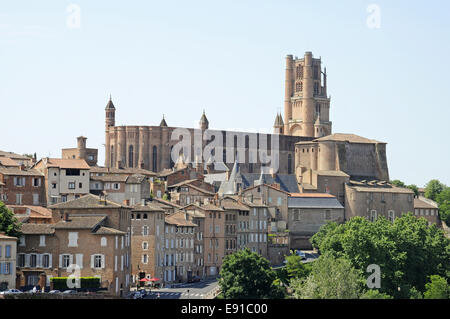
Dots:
pixel 306 116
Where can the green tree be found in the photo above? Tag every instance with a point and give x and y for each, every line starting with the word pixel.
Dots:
pixel 437 288
pixel 295 268
pixel 443 200
pixel 433 188
pixel 247 275
pixel 414 188
pixel 8 222
pixel 407 250
pixel 330 278
pixel 374 294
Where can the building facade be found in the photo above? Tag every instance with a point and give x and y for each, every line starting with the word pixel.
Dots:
pixel 8 252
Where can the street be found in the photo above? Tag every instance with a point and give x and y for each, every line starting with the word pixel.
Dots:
pixel 198 290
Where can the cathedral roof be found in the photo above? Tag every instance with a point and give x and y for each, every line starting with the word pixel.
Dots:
pixel 351 138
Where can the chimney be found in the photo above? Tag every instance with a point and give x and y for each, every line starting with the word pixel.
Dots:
pixel 22 167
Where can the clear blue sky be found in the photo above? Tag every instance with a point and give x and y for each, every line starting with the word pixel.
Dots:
pixel 227 57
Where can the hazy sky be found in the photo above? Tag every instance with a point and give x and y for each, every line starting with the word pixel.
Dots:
pixel 227 57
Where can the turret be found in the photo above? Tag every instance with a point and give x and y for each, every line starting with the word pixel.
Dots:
pixel 110 113
pixel 204 123
pixel 288 90
pixel 278 126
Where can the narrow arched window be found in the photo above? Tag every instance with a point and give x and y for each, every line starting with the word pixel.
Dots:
pixel 155 159
pixel 130 156
pixel 112 156
pixel 289 164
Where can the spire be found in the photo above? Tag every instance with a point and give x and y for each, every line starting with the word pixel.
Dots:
pixel 163 122
pixel 204 123
pixel 278 120
pixel 110 104
pixel 261 179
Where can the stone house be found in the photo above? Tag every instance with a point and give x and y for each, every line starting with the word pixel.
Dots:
pixel 307 213
pixel 22 186
pixel 424 207
pixel 89 232
pixel 147 241
pixel 65 179
pixel 184 245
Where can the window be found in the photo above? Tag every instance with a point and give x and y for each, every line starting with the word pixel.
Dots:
pixel 36 182
pixel 72 172
pixel 116 186
pixel 46 261
pixel 373 215
pixel 19 199
pixel 53 185
pixel 145 245
pixel 19 181
pixel 8 251
pixel 391 215
pixel 145 230
pixel 65 261
pixel 21 260
pixel 145 259
pixel 42 241
pixel 327 214
pixel 130 156
pixel 103 242
pixel 71 185
pixel 80 185
pixel 98 261
pixel 73 239
pixel 36 199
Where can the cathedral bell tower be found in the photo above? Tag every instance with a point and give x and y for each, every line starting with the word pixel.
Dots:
pixel 110 121
pixel 306 104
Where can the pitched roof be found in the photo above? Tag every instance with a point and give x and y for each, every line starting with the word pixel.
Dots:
pixel 15 171
pixel 13 155
pixel 343 137
pixel 5 237
pixel 79 222
pixel 312 195
pixel 381 189
pixel 166 202
pixel 86 201
pixel 179 219
pixel 65 163
pixel 135 179
pixel 163 122
pixel 110 178
pixel 37 229
pixel 314 202
pixel 35 211
pixel 108 231
pixel 206 207
pixel 230 204
pixel 420 203
pixel 150 207
pixel 331 173
pixel 8 162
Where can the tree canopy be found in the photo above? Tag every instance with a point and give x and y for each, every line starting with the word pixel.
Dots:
pixel 433 188
pixel 443 200
pixel 408 251
pixel 248 275
pixel 8 222
pixel 437 288
pixel 331 278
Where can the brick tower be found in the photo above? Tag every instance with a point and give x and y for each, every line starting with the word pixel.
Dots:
pixel 306 104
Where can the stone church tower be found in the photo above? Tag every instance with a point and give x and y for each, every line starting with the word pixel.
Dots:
pixel 306 104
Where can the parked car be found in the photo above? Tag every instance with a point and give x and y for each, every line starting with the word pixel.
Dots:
pixel 54 292
pixel 301 254
pixel 194 279
pixel 10 291
pixel 69 292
